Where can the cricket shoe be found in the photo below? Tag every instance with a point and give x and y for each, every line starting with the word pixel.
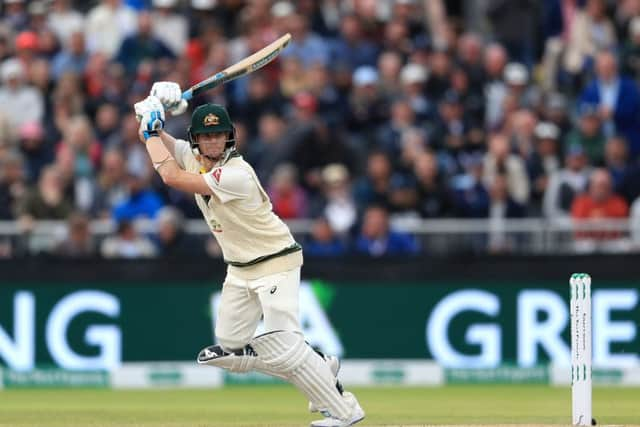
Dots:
pixel 357 415
pixel 334 365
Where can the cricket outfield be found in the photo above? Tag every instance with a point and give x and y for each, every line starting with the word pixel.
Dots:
pixel 282 405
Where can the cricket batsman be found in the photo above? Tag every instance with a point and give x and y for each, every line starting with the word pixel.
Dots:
pixel 263 260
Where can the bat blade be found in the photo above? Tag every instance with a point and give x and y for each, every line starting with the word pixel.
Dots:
pixel 248 65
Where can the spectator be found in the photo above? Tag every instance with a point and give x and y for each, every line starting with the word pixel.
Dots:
pixel 19 102
pixel 616 159
pixel 72 59
pixel 433 198
pixel 543 162
pixel 127 243
pixel 470 196
pixel 565 184
pixel 305 45
pixel 413 78
pixel 323 241
pixel 171 239
pixel 336 203
pixel 288 198
pixel 142 46
pixel 366 104
pixel 47 200
pixel 501 207
pixel 12 185
pixel 64 21
pixel 170 27
pixel 78 242
pixel 141 201
pixel 589 133
pixel 36 151
pixel 630 55
pixel 618 101
pixel 111 188
pixel 377 239
pixel 351 46
pixel 590 31
pixel 499 160
pixel 600 202
pixel 107 25
pixel 381 186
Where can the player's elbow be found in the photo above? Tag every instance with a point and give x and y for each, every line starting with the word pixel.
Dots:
pixel 169 176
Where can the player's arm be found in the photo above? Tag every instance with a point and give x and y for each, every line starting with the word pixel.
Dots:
pixel 151 114
pixel 170 95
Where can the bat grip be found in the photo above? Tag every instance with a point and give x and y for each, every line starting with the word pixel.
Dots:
pixel 187 94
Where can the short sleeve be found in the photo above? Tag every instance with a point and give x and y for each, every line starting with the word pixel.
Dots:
pixel 229 183
pixel 181 150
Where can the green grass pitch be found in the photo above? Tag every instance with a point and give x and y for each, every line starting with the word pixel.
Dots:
pixel 281 405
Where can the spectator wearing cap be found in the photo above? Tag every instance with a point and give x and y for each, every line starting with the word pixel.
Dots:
pixel 351 45
pixel 556 111
pixel 305 45
pixel 565 184
pixel 169 26
pixel 367 107
pixel 543 162
pixel 336 202
pixel 499 160
pixel 107 25
pixel 588 134
pixel 72 58
pixel 64 20
pixel 618 101
pixel 36 151
pixel 19 102
pixel 413 79
pixel 323 241
pixel 377 238
pixel 27 46
pixel 142 45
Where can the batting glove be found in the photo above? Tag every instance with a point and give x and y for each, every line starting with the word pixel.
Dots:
pixel 170 95
pixel 151 115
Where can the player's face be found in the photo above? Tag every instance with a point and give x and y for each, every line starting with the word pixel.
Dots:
pixel 212 144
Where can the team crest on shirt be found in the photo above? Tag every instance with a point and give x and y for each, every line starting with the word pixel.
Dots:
pixel 211 120
pixel 216 174
pixel 215 226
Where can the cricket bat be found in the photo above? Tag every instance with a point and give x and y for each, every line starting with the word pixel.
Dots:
pixel 247 65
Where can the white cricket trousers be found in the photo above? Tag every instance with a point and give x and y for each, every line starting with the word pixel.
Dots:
pixel 244 302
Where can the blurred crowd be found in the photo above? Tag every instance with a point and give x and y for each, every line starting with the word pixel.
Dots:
pixel 378 109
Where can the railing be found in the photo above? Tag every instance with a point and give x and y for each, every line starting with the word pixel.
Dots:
pixel 437 236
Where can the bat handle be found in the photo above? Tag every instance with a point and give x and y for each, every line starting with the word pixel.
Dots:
pixel 187 94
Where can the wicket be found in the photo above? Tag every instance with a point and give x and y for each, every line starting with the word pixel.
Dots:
pixel 580 308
